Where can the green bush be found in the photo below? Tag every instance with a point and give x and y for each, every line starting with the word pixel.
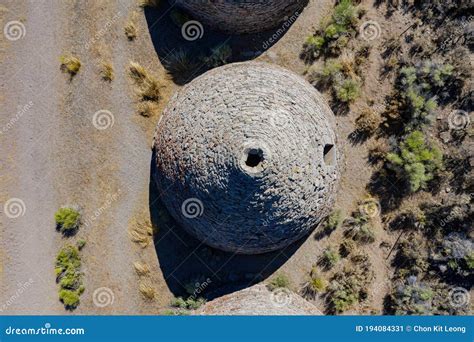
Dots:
pixel 333 221
pixel 69 298
pixel 67 219
pixel 348 90
pixel 359 228
pixel 416 161
pixel 418 86
pixel 280 280
pixel 80 243
pixel 69 277
pixel 190 303
pixel 315 285
pixel 330 258
pixel 335 34
pixel 340 77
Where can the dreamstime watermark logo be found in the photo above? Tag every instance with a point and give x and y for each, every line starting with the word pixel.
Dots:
pixel 192 208
pixel 14 30
pixel 111 198
pixel 370 30
pixel 199 288
pixel 102 297
pixel 281 296
pixel 14 208
pixel 459 119
pixel 108 24
pixel 459 297
pixel 22 287
pixel 103 119
pixel 21 111
pixel 192 30
pixel 281 30
pixel 370 207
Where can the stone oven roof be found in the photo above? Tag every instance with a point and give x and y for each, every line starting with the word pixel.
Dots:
pixel 246 157
pixel 258 300
pixel 242 16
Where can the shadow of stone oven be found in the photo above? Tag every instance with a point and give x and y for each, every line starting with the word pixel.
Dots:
pixel 187 263
pixel 187 48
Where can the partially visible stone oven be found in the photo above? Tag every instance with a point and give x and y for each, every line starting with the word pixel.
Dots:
pixel 258 300
pixel 237 16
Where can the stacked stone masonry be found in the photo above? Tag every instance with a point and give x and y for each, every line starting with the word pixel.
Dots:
pixel 246 158
pixel 237 16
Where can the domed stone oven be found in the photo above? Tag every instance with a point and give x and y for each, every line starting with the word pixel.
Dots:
pixel 234 16
pixel 258 300
pixel 246 158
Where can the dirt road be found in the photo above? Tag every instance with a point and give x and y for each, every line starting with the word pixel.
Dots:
pixel 55 152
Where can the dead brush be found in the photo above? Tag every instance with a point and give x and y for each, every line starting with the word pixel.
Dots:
pixel 142 234
pixel 148 87
pixel 146 289
pixel 107 71
pixel 142 269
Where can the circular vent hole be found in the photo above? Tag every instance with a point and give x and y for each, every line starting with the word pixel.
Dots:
pixel 254 157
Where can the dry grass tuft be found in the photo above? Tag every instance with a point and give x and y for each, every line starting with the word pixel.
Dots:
pixel 147 108
pixel 70 64
pixel 148 86
pixel 137 72
pixel 148 3
pixel 147 290
pixel 130 31
pixel 107 71
pixel 142 269
pixel 142 233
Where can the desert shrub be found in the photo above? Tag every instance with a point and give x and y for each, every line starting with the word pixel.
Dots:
pixel 411 256
pixel 69 298
pixel 333 221
pixel 359 228
pixel 181 65
pixel 347 247
pixel 107 71
pixel 148 86
pixel 146 289
pixel 148 108
pixel 219 56
pixel 279 281
pixel 416 161
pixel 349 286
pixel 368 121
pixel 418 86
pixel 315 284
pixel 70 64
pixel 67 220
pixel 330 258
pixel 335 34
pixel 412 298
pixel 80 244
pixel 340 76
pixel 190 303
pixel 148 3
pixel 141 268
pixel 348 90
pixel 130 31
pixel 454 255
pixel 69 277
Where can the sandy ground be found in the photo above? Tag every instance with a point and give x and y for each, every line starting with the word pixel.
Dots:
pixel 52 155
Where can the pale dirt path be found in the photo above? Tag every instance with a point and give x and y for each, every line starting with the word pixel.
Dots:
pixel 54 156
pixel 28 242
